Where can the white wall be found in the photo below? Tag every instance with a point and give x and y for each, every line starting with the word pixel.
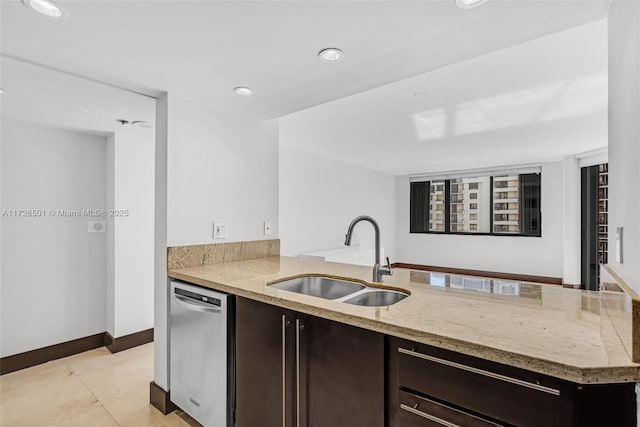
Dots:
pixel 132 189
pixel 572 222
pixel 624 137
pixel 319 197
pixel 222 168
pixel 53 284
pixel 161 285
pixel 541 256
pixel 624 140
pixel 111 248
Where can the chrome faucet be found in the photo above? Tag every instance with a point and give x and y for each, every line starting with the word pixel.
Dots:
pixel 378 271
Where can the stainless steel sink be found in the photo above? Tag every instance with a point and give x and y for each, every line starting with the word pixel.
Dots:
pixel 376 297
pixel 341 290
pixel 320 286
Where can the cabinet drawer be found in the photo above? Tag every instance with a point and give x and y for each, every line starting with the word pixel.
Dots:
pixel 499 392
pixel 416 411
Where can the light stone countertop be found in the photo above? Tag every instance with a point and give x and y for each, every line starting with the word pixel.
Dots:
pixel 546 328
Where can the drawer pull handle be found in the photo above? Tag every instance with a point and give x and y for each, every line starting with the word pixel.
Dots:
pixel 493 375
pixel 298 328
pixel 427 416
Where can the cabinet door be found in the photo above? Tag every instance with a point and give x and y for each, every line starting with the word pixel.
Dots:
pixel 264 365
pixel 341 375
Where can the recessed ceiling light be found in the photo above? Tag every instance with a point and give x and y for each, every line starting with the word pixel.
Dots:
pixel 243 91
pixel 142 124
pixel 331 54
pixel 1 90
pixel 45 7
pixel 469 4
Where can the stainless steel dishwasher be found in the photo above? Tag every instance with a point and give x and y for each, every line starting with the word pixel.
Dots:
pixel 202 371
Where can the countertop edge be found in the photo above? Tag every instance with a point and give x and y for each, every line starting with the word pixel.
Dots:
pixel 580 375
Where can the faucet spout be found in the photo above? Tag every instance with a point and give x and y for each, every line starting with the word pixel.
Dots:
pixel 378 271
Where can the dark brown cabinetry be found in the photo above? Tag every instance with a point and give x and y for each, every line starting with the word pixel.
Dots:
pixel 263 338
pixel 298 370
pixel 430 386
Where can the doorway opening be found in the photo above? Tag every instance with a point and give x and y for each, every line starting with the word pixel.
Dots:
pixel 594 223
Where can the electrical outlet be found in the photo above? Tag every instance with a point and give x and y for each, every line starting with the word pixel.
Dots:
pixel 267 228
pixel 220 230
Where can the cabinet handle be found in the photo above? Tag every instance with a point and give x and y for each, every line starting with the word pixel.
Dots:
pixel 284 371
pixel 493 375
pixel 298 327
pixel 428 416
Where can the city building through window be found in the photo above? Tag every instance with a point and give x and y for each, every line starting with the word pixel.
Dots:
pixel 496 204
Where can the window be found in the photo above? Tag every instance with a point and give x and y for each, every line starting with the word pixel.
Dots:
pixel 436 207
pixel 506 212
pixel 460 205
pixel 499 204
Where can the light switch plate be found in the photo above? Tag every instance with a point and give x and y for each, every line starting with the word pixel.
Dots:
pixel 619 257
pixel 220 230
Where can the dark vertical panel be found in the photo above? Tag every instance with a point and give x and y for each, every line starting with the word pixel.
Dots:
pixel 491 230
pixel 589 227
pixel 447 206
pixel 419 207
pixel 231 362
pixel 530 198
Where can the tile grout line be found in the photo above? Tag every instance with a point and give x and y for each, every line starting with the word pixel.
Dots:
pixel 94 395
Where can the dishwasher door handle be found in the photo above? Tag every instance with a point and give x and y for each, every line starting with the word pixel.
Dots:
pixel 298 328
pixel 194 305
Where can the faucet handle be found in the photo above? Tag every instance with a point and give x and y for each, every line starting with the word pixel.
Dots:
pixel 387 270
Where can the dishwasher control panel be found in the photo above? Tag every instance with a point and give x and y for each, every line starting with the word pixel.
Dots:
pixel 199 297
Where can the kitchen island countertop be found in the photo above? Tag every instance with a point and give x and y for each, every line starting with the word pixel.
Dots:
pixel 542 328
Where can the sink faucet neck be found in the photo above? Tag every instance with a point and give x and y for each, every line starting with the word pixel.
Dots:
pixel 378 272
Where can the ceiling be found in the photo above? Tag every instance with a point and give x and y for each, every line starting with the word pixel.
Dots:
pixel 200 50
pixel 537 101
pixel 40 95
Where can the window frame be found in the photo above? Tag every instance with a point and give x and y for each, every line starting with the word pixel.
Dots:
pixel 492 232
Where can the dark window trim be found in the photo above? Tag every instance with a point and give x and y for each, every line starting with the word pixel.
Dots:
pixel 468 233
pixel 491 205
pixel 416 204
pixel 447 206
pixel 428 203
pixel 447 216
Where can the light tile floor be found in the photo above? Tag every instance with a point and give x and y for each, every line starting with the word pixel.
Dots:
pixel 95 388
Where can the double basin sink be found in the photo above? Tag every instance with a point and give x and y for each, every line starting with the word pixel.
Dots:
pixel 341 290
